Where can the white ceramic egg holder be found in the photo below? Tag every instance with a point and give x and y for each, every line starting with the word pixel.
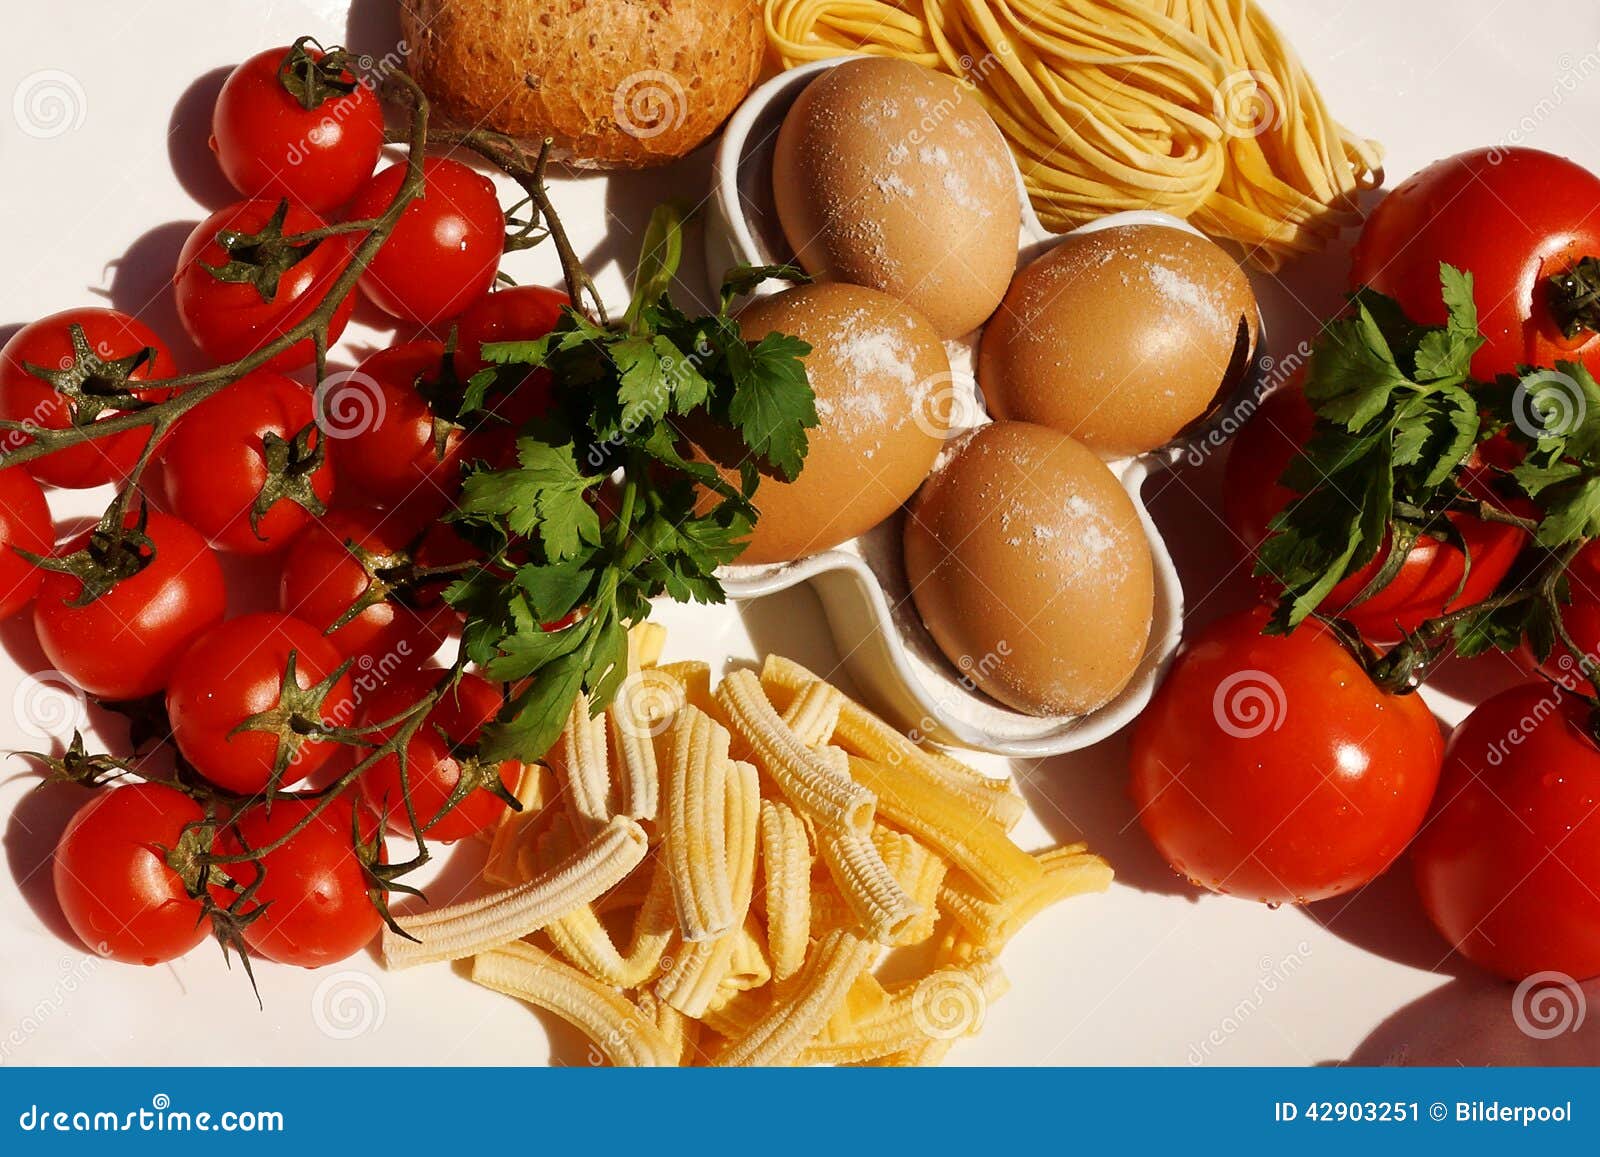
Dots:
pixel 862 584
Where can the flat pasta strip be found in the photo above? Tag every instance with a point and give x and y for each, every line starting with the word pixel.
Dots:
pixel 585 766
pixel 810 783
pixel 946 1004
pixel 978 846
pixel 864 734
pixel 696 838
pixel 479 925
pixel 1067 872
pixel 794 1020
pixel 786 866
pixel 881 907
pixel 614 1023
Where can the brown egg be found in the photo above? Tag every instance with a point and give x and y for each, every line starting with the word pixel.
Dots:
pixel 877 370
pixel 1120 338
pixel 1030 568
pixel 892 176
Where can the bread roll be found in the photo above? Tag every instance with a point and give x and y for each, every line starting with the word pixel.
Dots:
pixel 615 83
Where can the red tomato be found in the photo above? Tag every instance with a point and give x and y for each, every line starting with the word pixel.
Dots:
pixel 126 643
pixel 113 881
pixel 1271 767
pixel 435 761
pixel 1426 584
pixel 112 337
pixel 322 580
pixel 1509 862
pixel 216 463
pixel 231 319
pixel 270 145
pixel 395 458
pixel 24 525
pixel 236 670
pixel 1512 217
pixel 317 910
pixel 445 250
pixel 1581 618
pixel 515 313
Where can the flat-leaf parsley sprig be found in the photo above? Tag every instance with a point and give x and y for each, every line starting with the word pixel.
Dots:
pixel 608 505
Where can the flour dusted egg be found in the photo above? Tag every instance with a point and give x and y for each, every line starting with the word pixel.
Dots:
pixel 892 176
pixel 877 369
pixel 1120 338
pixel 1031 570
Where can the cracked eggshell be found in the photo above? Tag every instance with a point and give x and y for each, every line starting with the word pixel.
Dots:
pixel 876 368
pixel 892 176
pixel 1120 338
pixel 1028 564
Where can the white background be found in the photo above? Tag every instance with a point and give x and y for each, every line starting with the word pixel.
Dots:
pixel 98 196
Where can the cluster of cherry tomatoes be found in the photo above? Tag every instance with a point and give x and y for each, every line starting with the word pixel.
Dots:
pixel 349 515
pixel 1274 768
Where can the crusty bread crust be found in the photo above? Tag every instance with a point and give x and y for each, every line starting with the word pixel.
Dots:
pixel 615 83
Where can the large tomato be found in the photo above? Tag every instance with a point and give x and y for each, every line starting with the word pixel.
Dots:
pixel 217 461
pixel 1271 767
pixel 445 249
pixel 24 525
pixel 115 351
pixel 114 883
pixel 322 579
pixel 229 319
pixel 1513 218
pixel 396 457
pixel 271 145
pixel 1509 862
pixel 316 909
pixel 126 643
pixel 235 671
pixel 1426 584
pixel 514 313
pixel 438 757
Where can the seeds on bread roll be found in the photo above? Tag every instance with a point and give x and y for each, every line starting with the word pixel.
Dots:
pixel 615 83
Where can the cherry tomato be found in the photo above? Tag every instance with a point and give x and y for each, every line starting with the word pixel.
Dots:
pixel 314 892
pixel 438 757
pixel 217 462
pixel 322 580
pixel 113 343
pixel 1512 217
pixel 1426 584
pixel 445 250
pixel 270 145
pixel 113 881
pixel 396 457
pixel 24 525
pixel 126 643
pixel 229 319
pixel 514 313
pixel 1509 861
pixel 236 670
pixel 1271 767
